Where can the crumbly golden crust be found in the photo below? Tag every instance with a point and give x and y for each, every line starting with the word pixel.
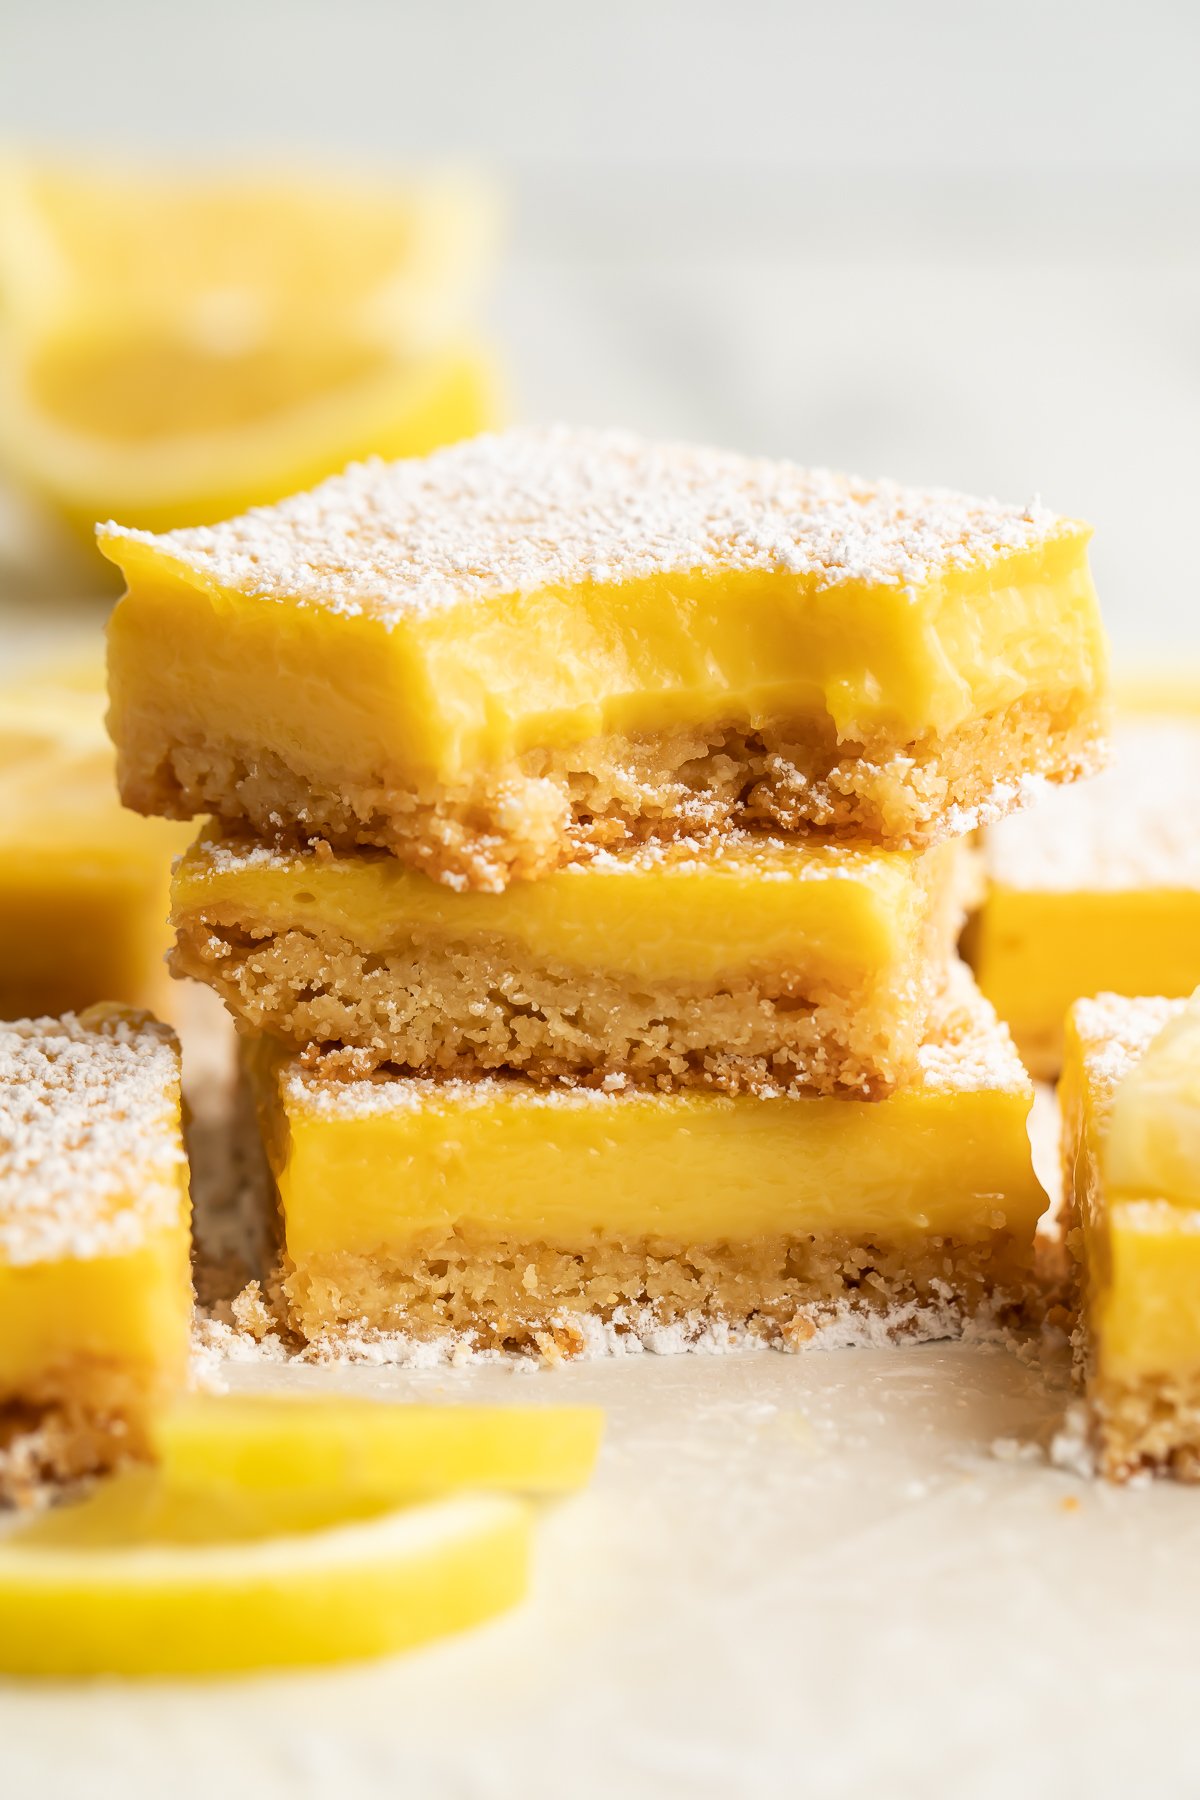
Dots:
pixel 539 812
pixel 466 1008
pixel 494 1293
pixel 1152 1424
pixel 82 1419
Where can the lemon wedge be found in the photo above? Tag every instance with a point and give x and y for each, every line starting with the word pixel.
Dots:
pixel 139 1581
pixel 372 1450
pixel 1152 1147
pixel 159 434
pixel 175 347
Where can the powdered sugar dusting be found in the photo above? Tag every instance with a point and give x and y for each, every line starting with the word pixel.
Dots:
pixel 553 507
pixel 90 1144
pixel 1137 825
pixel 1116 1031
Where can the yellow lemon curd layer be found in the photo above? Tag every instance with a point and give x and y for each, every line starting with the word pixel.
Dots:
pixel 737 905
pixel 83 882
pixel 420 621
pixel 373 1165
pixel 1134 1187
pixel 1097 888
pixel 95 1284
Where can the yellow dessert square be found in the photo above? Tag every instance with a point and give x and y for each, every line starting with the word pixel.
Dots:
pixel 1130 1095
pixel 738 963
pixel 486 658
pixel 499 1214
pixel 84 883
pixel 1097 887
pixel 95 1284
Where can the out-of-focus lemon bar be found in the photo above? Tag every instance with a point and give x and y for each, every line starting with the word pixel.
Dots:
pixel 487 658
pixel 95 1284
pixel 1096 889
pixel 1130 1094
pixel 84 883
pixel 740 963
pixel 496 1213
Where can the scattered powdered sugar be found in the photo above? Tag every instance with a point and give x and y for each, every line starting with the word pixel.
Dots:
pixel 1137 825
pixel 552 507
pixel 1071 1447
pixel 1017 1450
pixel 629 1331
pixel 90 1143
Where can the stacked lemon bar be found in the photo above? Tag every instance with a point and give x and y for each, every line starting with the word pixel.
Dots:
pixel 586 876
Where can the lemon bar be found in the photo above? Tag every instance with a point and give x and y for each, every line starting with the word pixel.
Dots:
pixel 485 658
pixel 84 884
pixel 1096 889
pixel 1131 1115
pixel 496 1213
pixel 95 1284
pixel 739 963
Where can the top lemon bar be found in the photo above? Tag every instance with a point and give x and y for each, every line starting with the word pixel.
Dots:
pixel 485 658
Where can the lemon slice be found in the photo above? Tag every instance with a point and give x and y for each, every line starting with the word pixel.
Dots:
pixel 233 258
pixel 135 1581
pixel 370 1450
pixel 174 348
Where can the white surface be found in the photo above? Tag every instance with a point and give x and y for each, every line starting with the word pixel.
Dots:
pixel 942 242
pixel 792 1575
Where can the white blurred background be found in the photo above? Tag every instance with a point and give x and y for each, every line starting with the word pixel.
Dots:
pixel 939 240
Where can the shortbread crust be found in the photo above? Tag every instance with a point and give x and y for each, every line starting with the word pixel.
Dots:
pixel 486 658
pixel 736 963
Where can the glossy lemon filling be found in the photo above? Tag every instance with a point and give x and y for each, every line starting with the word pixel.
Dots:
pixel 374 1166
pixel 434 694
pixel 838 916
pixel 1036 952
pixel 83 1326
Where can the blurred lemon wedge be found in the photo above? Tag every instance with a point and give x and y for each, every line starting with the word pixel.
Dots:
pixel 372 1450
pixel 1152 1146
pixel 175 348
pixel 137 1580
